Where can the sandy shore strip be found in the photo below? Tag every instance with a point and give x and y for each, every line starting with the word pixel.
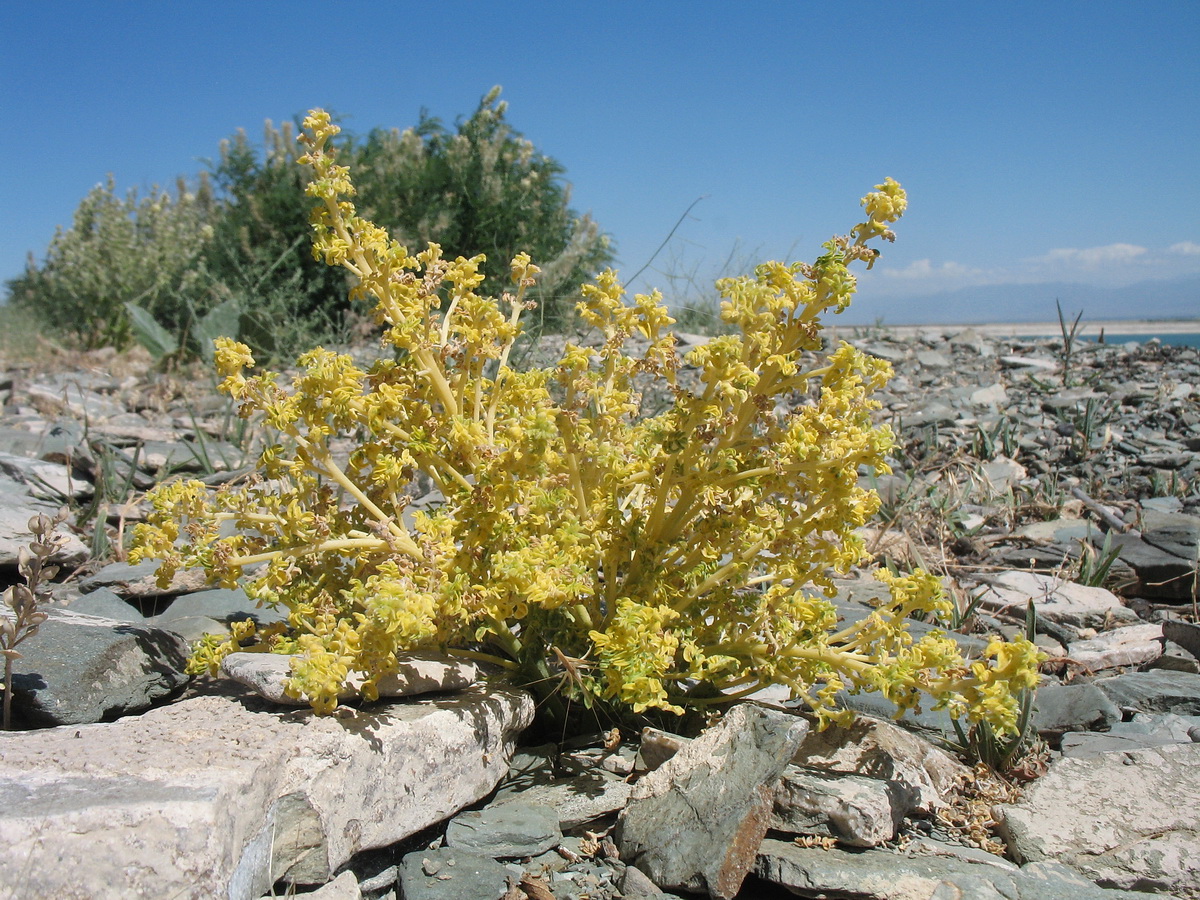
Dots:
pixel 1087 328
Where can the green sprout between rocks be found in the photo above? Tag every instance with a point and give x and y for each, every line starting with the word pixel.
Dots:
pixel 673 560
pixel 24 599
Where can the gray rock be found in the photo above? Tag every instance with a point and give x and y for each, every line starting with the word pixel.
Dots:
pixel 636 885
pixel 518 828
pixel 138 581
pixel 1185 634
pixel 105 604
pixel 1158 690
pixel 1057 601
pixel 447 874
pixel 886 875
pixel 43 480
pixel 858 811
pixel 576 801
pixel 1160 575
pixel 223 604
pixel 220 796
pixel 880 749
pixel 695 823
pixel 80 669
pixel 1131 645
pixel 1128 820
pixel 344 887
pixel 416 673
pixel 1086 744
pixel 1062 708
pixel 15 513
pixel 1173 533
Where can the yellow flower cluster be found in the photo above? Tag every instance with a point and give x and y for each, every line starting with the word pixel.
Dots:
pixel 648 553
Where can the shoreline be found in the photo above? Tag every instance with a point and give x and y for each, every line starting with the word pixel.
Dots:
pixel 1037 329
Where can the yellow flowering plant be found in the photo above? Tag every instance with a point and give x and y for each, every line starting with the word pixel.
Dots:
pixel 661 560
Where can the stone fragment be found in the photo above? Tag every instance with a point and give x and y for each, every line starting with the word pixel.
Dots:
pixel 43 480
pixel 858 811
pixel 1127 820
pixel 880 749
pixel 991 395
pixel 104 604
pixel 1002 474
pixel 1173 533
pixel 416 673
pixel 1160 574
pixel 886 875
pixel 220 796
pixel 344 887
pixel 15 513
pixel 1132 645
pixel 1062 602
pixel 636 885
pixel 1185 634
pixel 138 581
pixel 696 822
pixel 448 874
pixel 1063 708
pixel 79 669
pixel 576 801
pixel 518 828
pixel 221 604
pixel 1158 690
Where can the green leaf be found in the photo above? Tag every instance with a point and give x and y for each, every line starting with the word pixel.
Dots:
pixel 223 320
pixel 150 334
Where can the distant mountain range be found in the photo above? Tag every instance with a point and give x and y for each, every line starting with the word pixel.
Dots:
pixel 1168 299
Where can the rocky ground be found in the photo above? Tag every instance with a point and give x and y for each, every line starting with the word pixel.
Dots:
pixel 1023 471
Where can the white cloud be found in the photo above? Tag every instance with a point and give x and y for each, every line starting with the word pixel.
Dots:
pixel 1092 257
pixel 1185 248
pixel 924 269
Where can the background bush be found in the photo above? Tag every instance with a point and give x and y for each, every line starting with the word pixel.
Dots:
pixel 232 255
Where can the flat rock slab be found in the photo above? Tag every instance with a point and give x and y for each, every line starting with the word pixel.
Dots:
pixel 446 874
pixel 1132 645
pixel 1126 819
pixel 696 822
pixel 1158 690
pixel 219 796
pixel 416 673
pixel 80 669
pixel 881 749
pixel 1063 602
pixel 884 875
pixel 507 830
pixel 15 513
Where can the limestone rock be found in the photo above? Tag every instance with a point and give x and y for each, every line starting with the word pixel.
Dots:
pixel 1058 601
pixel 219 796
pixel 880 749
pixel 696 822
pixel 1133 645
pixel 417 673
pixel 1128 820
pixel 15 513
pixel 858 811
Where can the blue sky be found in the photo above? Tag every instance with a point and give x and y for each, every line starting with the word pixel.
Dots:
pixel 1040 142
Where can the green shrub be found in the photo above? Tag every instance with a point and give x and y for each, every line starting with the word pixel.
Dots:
pixel 148 252
pixel 482 189
pixel 655 560
pixel 234 258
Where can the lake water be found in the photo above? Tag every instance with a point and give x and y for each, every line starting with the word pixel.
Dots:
pixel 1179 340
